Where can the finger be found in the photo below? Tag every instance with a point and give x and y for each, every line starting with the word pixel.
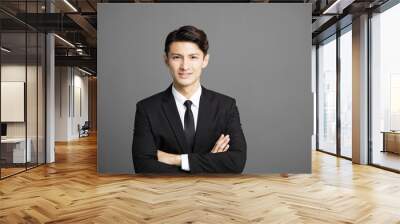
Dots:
pixel 217 143
pixel 159 155
pixel 223 140
pixel 222 146
pixel 216 148
pixel 228 138
pixel 220 139
pixel 226 148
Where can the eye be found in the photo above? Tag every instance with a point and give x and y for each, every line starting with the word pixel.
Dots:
pixel 175 57
pixel 193 57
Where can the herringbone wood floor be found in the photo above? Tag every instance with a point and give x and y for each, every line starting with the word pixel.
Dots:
pixel 70 191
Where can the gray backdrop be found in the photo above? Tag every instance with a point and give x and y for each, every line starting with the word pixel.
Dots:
pixel 260 54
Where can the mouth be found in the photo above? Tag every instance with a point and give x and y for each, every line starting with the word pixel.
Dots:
pixel 184 75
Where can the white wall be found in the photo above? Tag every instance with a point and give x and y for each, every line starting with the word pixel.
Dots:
pixel 17 73
pixel 71 93
pixel 62 80
pixel 80 110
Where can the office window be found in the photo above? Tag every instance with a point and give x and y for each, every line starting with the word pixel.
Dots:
pixel 327 95
pixel 385 88
pixel 346 92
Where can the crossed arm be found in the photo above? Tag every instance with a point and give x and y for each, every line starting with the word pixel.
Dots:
pixel 222 145
pixel 227 156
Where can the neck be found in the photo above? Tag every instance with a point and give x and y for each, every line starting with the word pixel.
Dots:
pixel 187 91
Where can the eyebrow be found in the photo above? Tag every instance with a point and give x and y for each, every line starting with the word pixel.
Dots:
pixel 194 54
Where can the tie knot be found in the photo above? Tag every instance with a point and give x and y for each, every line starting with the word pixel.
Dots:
pixel 188 104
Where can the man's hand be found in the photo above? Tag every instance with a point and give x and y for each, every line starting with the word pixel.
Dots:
pixel 173 159
pixel 169 158
pixel 222 144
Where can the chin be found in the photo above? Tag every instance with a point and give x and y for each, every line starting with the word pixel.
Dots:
pixel 185 83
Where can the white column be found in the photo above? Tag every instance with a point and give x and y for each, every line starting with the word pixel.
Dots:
pixel 50 92
pixel 50 100
pixel 360 90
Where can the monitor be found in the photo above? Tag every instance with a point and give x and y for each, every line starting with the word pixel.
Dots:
pixel 3 129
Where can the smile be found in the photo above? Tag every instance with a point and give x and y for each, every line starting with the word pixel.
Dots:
pixel 183 75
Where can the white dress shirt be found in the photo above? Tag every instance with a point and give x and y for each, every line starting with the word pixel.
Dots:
pixel 180 104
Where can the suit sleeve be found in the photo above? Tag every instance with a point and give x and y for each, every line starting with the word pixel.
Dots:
pixel 231 161
pixel 144 150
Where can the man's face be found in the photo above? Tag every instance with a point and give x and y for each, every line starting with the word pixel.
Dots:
pixel 185 61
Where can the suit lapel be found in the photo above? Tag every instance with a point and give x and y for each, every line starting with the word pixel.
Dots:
pixel 172 114
pixel 203 120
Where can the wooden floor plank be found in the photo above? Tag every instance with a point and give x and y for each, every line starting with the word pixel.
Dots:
pixel 71 191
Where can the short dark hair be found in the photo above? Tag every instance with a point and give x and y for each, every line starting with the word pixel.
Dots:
pixel 187 33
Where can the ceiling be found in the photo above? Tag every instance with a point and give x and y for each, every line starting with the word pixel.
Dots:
pixel 76 22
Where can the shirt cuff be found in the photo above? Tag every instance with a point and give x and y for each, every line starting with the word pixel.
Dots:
pixel 185 162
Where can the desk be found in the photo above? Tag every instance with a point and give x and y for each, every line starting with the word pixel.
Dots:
pixel 391 141
pixel 16 147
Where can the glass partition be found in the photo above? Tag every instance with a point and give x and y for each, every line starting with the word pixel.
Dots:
pixel 327 95
pixel 22 101
pixel 14 153
pixel 346 93
pixel 32 95
pixel 385 89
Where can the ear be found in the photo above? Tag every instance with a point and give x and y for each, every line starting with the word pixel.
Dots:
pixel 205 61
pixel 165 59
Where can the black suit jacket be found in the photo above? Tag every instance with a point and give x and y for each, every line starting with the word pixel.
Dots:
pixel 158 126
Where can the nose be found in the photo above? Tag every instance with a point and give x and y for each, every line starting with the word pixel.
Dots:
pixel 184 64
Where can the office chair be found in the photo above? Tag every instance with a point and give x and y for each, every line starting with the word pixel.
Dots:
pixel 84 130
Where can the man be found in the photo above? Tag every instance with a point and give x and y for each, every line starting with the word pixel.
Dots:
pixel 188 128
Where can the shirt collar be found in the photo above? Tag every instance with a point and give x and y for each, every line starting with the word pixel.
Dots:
pixel 181 99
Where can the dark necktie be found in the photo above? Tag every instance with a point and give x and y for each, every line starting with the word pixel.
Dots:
pixel 189 125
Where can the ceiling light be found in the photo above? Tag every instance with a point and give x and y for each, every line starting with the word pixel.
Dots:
pixel 86 72
pixel 70 5
pixel 64 40
pixel 331 7
pixel 5 49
